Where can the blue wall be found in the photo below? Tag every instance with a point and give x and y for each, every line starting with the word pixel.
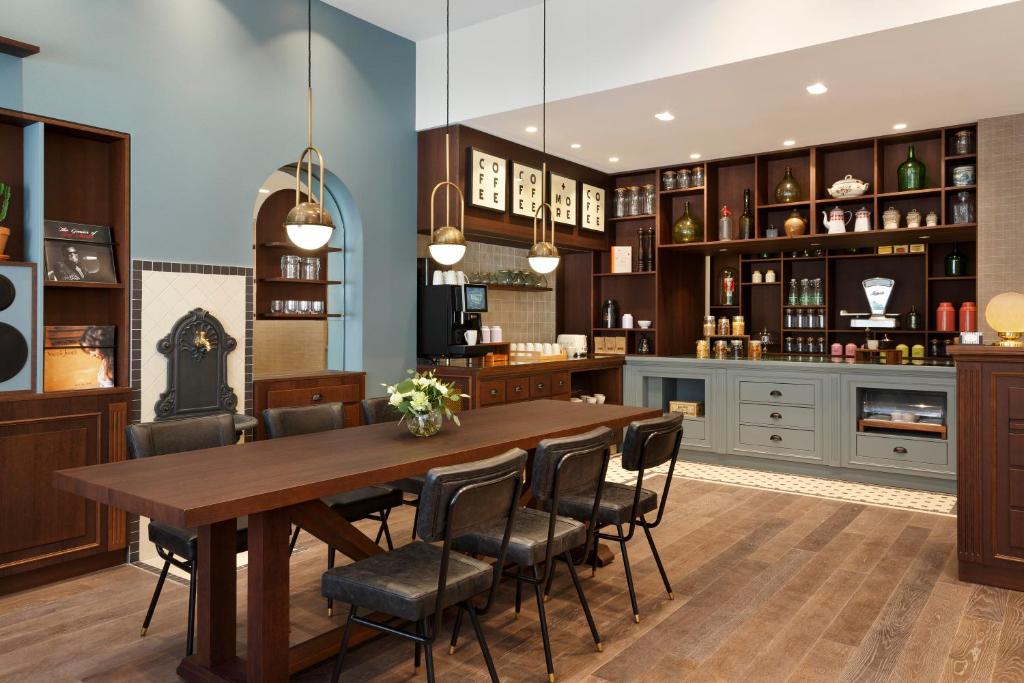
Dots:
pixel 213 95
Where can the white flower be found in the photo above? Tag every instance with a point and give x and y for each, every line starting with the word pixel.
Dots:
pixel 396 399
pixel 419 402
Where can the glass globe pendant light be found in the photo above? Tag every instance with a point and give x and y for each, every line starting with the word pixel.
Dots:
pixel 308 224
pixel 544 257
pixel 447 243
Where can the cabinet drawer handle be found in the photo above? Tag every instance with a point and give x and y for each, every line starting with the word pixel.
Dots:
pixel 899 449
pixel 775 437
pixel 776 416
pixel 519 387
pixel 776 393
pixel 494 392
pixel 561 382
pixel 540 385
pixel 317 397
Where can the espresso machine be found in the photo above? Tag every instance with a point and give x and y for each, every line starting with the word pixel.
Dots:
pixel 444 314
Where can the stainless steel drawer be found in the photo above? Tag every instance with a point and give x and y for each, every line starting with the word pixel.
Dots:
pixel 694 429
pixel 895 449
pixel 777 392
pixel 783 416
pixel 777 438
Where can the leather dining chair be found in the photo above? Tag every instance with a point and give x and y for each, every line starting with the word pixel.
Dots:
pixel 379 410
pixel 648 444
pixel 418 581
pixel 175 545
pixel 566 466
pixel 371 502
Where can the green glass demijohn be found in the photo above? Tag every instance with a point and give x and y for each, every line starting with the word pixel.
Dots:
pixel 788 189
pixel 910 174
pixel 686 229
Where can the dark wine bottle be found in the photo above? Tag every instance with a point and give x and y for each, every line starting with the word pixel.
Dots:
pixel 746 219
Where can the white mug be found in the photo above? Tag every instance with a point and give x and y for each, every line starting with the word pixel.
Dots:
pixel 460 277
pixel 485 334
pixel 548 350
pixel 530 346
pixel 450 277
pixel 600 398
pixel 471 337
pixel 438 277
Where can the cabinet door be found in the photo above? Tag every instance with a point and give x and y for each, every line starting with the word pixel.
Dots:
pixel 1008 511
pixel 40 525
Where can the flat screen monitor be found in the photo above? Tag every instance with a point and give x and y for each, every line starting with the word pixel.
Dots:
pixel 476 298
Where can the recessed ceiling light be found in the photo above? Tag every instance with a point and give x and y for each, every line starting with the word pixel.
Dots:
pixel 695 155
pixel 264 190
pixel 531 129
pixel 664 115
pixel 575 145
pixel 817 88
pixel 614 160
pixel 788 143
pixel 899 126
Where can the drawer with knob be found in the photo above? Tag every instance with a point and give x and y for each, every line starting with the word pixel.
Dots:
pixel 893 450
pixel 778 393
pixel 540 386
pixel 782 416
pixel 560 383
pixel 345 393
pixel 492 392
pixel 782 439
pixel 517 389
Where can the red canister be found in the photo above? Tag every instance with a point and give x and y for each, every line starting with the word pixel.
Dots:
pixel 945 317
pixel 968 317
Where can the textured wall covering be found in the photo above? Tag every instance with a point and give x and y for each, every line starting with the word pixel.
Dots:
pixel 523 316
pixel 1000 210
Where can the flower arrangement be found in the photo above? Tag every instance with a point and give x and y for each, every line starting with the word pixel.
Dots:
pixel 424 400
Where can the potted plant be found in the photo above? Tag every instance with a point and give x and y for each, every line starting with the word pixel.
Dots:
pixel 5 203
pixel 424 401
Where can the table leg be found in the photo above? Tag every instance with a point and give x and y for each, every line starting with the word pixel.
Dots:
pixel 215 598
pixel 268 621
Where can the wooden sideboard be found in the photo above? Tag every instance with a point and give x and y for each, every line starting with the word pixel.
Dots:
pixel 990 471
pixel 46 534
pixel 289 390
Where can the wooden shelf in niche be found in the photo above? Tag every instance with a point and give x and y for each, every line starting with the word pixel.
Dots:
pixel 681 191
pixel 892 151
pixel 85 285
pixel 16 48
pixel 786 205
pixel 298 281
pixel 518 288
pixel 296 316
pixel 311 252
pixel 638 217
pixel 632 273
pixel 927 191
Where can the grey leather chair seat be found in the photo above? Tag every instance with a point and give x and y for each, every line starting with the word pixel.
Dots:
pixel 527 545
pixel 359 504
pixel 403 582
pixel 184 542
pixel 616 504
pixel 413 485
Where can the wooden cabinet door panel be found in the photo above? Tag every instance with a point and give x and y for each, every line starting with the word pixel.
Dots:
pixel 37 520
pixel 1008 506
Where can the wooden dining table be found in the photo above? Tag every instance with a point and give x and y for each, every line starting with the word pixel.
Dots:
pixel 280 482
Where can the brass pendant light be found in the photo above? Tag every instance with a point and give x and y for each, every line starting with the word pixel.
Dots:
pixel 544 256
pixel 308 224
pixel 447 243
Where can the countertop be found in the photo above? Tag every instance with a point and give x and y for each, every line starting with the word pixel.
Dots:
pixel 464 366
pixel 936 366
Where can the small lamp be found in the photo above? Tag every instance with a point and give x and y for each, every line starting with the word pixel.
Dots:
pixel 1005 315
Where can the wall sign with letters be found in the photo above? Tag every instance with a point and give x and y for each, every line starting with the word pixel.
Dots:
pixel 563 200
pixel 527 184
pixel 487 180
pixel 592 208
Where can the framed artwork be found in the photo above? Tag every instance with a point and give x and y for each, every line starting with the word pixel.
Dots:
pixel 592 208
pixel 563 200
pixel 487 180
pixel 78 357
pixel 76 252
pixel 527 184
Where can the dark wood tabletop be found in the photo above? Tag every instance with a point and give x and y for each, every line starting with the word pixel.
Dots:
pixel 206 486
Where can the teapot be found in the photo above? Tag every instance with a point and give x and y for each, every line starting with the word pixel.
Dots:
pixel 834 220
pixel 848 187
pixel 863 222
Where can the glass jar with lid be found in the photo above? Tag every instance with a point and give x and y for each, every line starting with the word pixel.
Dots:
pixel 963 208
pixel 633 200
pixel 647 199
pixel 668 180
pixel 788 345
pixel 682 179
pixel 620 202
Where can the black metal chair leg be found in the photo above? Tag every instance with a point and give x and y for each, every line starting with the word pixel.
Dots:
pixel 330 565
pixel 416 656
pixel 428 651
pixel 384 529
pixel 483 641
pixel 551 580
pixel 543 625
pixel 295 537
pixel 336 673
pixel 629 574
pixel 156 596
pixel 584 604
pixel 519 593
pixel 190 633
pixel 455 631
pixel 657 560
pixel 415 518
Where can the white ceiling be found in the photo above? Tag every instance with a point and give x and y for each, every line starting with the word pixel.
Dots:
pixel 941 72
pixel 419 19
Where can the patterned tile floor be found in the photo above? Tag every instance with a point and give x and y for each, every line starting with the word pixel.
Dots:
pixel 871 494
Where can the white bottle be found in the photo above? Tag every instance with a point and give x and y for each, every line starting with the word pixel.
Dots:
pixel 485 334
pixel 495 333
pixel 627 320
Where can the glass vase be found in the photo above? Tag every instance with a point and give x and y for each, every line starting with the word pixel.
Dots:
pixel 788 189
pixel 686 229
pixel 426 424
pixel 910 174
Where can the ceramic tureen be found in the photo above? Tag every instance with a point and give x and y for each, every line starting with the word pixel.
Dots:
pixel 848 187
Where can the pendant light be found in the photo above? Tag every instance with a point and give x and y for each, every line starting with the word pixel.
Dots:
pixel 308 224
pixel 447 243
pixel 544 256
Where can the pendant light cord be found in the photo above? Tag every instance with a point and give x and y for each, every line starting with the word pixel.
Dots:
pixel 447 63
pixel 544 80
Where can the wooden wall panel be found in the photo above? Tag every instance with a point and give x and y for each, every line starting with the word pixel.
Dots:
pixel 117 520
pixel 970 461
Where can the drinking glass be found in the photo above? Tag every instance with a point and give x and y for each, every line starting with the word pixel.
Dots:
pixel 277 306
pixel 291 307
pixel 311 268
pixel 318 307
pixel 304 307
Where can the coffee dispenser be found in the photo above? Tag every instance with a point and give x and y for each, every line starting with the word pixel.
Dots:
pixel 444 314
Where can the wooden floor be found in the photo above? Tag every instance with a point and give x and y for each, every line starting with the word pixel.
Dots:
pixel 769 587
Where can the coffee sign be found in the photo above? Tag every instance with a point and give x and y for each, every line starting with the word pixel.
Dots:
pixel 563 200
pixel 487 180
pixel 592 208
pixel 527 183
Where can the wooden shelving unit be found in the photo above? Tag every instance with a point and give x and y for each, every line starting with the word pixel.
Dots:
pixel 674 298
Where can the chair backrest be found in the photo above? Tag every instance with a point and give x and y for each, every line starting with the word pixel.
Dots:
pixel 377 410
pixel 303 420
pixel 652 442
pixel 461 498
pixel 580 473
pixel 175 436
